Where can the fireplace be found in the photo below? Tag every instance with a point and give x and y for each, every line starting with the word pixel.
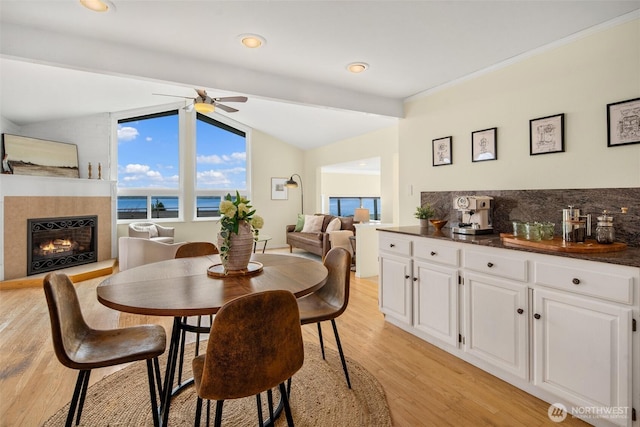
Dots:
pixel 55 243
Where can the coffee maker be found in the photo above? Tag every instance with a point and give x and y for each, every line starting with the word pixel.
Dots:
pixel 475 214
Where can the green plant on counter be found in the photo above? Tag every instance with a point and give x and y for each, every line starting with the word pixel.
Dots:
pixel 424 212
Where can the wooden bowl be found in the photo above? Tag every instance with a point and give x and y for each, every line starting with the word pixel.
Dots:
pixel 438 223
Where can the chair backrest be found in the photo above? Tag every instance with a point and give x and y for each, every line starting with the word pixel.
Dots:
pixel 68 326
pixel 336 290
pixel 255 344
pixel 192 249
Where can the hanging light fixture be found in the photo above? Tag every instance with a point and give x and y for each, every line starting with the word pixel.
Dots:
pixel 204 108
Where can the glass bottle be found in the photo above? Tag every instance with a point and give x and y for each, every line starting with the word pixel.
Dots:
pixel 605 233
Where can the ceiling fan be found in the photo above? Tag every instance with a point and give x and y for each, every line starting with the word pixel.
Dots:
pixel 203 103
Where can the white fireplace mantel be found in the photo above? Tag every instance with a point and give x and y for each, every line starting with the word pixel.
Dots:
pixel 40 186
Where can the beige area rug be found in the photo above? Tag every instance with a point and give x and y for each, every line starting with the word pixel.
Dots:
pixel 319 397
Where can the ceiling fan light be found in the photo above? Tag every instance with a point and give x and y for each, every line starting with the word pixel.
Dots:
pixel 252 41
pixel 97 5
pixel 357 67
pixel 204 108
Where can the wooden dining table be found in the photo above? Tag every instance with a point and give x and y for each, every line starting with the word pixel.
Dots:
pixel 182 287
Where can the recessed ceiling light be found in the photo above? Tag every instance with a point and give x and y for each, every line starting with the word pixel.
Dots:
pixel 357 67
pixel 252 41
pixel 98 5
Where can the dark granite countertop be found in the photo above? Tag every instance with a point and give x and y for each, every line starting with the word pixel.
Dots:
pixel 629 256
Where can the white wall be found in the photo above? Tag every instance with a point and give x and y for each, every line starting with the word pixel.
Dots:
pixel 382 143
pixel 348 185
pixel 578 79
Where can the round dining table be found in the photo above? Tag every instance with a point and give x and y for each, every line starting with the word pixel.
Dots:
pixel 182 287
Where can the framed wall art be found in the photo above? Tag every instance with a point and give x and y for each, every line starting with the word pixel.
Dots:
pixel 441 150
pixel 30 156
pixel 278 189
pixel 623 122
pixel 484 145
pixel 546 135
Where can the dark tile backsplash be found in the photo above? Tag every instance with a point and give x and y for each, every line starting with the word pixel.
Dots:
pixel 547 205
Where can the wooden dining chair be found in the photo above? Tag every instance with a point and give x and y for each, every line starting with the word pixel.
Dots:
pixel 188 250
pixel 330 301
pixel 255 344
pixel 78 346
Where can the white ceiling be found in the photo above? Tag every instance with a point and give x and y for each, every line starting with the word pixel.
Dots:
pixel 59 60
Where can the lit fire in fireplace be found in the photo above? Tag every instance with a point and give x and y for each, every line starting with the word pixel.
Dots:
pixel 56 247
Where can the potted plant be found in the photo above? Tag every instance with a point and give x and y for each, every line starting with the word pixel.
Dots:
pixel 238 229
pixel 423 213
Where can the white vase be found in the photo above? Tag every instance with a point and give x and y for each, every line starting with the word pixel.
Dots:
pixel 240 248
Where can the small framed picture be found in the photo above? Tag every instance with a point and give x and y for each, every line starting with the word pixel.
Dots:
pixel 278 189
pixel 441 149
pixel 546 135
pixel 484 145
pixel 623 123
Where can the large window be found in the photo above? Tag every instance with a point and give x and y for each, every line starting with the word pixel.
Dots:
pixel 151 184
pixel 221 164
pixel 149 166
pixel 346 206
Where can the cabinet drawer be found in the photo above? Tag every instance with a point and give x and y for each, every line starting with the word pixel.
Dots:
pixel 615 286
pixel 497 265
pixel 395 245
pixel 431 251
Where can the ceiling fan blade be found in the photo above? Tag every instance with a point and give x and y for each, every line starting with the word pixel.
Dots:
pixel 225 108
pixel 231 99
pixel 174 96
pixel 202 93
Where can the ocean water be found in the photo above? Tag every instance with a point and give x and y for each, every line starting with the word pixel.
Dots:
pixel 135 207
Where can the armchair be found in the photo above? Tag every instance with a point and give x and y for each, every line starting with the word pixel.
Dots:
pixel 151 231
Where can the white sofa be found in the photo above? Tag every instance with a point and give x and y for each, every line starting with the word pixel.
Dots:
pixel 151 231
pixel 135 251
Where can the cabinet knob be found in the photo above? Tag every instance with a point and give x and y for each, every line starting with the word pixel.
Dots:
pixel 489 264
pixel 520 311
pixel 433 253
pixel 537 316
pixel 407 276
pixel 391 245
pixel 415 279
pixel 576 281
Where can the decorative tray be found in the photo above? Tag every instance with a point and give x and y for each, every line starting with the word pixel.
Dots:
pixel 217 270
pixel 559 245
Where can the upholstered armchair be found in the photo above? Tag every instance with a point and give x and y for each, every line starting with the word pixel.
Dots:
pixel 151 231
pixel 134 251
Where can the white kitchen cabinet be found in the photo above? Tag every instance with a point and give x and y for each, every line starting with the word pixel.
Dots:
pixel 561 328
pixel 435 301
pixel 496 323
pixel 395 287
pixel 582 350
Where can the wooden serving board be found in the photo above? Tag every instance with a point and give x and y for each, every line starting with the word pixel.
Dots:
pixel 559 245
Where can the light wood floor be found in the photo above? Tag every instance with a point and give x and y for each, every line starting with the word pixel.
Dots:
pixel 424 385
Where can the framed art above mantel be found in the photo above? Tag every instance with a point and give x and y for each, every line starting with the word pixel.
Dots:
pixel 31 156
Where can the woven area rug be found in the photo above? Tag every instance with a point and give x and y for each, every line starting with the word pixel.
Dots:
pixel 319 397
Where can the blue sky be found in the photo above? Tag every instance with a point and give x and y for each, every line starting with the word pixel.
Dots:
pixel 148 155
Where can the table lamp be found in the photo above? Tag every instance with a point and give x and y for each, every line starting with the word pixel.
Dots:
pixel 361 215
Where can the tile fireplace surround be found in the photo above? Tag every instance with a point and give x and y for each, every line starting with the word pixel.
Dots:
pixel 24 197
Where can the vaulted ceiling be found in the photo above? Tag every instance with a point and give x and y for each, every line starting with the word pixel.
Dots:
pixel 59 60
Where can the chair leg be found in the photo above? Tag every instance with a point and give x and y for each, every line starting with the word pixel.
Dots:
pixel 270 404
pixel 285 400
pixel 81 381
pixel 321 340
pixel 83 395
pixel 156 366
pixel 183 339
pixel 259 403
pixel 344 363
pixel 196 422
pixel 218 420
pixel 152 393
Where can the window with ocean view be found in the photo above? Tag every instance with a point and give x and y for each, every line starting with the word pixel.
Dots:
pixel 346 206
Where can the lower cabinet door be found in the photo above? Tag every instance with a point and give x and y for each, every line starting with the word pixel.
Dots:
pixel 496 326
pixel 395 287
pixel 582 352
pixel 435 301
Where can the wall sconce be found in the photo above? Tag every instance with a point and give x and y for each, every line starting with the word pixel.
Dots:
pixel 292 184
pixel 361 215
